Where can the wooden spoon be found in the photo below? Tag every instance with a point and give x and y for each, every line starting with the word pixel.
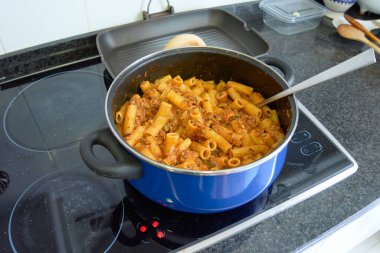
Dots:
pixel 350 32
pixel 359 26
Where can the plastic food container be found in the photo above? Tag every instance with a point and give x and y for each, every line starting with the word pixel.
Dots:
pixel 292 16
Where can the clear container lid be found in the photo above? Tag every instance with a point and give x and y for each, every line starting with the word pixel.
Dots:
pixel 292 11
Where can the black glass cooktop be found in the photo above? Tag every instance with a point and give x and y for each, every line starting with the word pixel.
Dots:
pixel 51 202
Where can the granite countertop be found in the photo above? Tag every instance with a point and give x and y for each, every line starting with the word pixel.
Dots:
pixel 347 106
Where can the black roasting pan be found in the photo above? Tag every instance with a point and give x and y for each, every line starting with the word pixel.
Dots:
pixel 120 46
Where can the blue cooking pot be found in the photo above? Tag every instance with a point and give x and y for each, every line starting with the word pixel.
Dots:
pixel 187 190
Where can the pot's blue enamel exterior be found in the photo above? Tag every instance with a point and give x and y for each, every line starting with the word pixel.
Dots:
pixel 208 193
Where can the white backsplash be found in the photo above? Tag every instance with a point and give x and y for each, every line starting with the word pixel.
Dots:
pixel 2 51
pixel 27 23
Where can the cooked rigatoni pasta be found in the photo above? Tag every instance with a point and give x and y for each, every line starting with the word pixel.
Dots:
pixel 154 147
pixel 242 88
pixel 135 136
pixel 119 117
pixel 234 94
pixel 199 125
pixel 207 103
pixel 203 151
pixel 191 81
pixel 129 119
pixel 177 99
pixel 185 144
pixel 164 110
pixel 237 104
pixel 210 144
pixel 177 81
pixel 156 125
pixel 198 89
pixel 233 162
pixel 171 141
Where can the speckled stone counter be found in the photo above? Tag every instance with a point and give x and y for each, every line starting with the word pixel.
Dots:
pixel 347 106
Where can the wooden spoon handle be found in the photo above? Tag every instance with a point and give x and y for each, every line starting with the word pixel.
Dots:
pixel 373 45
pixel 359 26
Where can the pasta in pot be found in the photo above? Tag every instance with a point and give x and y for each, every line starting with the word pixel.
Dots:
pixel 199 125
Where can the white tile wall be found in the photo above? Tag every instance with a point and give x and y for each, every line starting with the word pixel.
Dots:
pixel 2 51
pixel 102 14
pixel 27 23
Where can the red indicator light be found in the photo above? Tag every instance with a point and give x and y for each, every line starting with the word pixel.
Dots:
pixel 160 234
pixel 155 224
pixel 143 229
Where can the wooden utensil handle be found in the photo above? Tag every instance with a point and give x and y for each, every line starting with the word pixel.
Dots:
pixel 373 45
pixel 359 26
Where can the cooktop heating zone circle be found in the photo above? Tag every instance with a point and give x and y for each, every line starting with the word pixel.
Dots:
pixel 56 111
pixel 66 211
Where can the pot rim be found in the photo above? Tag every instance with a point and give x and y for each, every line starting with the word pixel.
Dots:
pixel 139 156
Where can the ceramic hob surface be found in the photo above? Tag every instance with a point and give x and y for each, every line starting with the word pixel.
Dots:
pixel 51 202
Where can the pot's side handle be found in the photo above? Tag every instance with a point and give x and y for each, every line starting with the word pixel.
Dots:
pixel 125 166
pixel 281 65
